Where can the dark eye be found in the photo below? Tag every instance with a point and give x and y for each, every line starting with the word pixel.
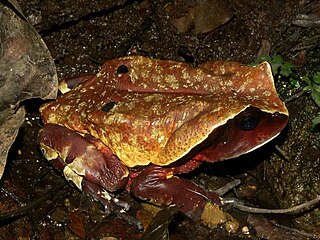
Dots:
pixel 249 123
pixel 108 106
pixel 249 119
pixel 122 69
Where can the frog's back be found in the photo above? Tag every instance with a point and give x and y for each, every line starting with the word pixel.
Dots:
pixel 141 125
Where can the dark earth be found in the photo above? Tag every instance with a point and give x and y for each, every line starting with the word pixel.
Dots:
pixel 82 34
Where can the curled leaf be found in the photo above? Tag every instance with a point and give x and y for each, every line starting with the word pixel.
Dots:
pixel 27 71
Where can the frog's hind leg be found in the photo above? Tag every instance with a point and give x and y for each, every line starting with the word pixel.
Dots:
pixel 159 186
pixel 95 171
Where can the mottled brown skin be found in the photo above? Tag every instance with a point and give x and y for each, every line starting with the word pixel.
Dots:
pixel 139 122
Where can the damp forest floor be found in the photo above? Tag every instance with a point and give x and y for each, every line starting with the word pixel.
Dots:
pixel 82 34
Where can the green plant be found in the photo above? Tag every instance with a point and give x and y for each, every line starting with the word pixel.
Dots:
pixel 313 85
pixel 279 67
pixel 287 71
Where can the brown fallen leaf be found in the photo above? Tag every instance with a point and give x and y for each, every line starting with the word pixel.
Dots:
pixel 8 133
pixel 205 16
pixel 27 71
pixel 267 229
pixel 158 228
pixel 77 224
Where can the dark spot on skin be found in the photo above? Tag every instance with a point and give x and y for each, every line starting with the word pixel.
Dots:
pixel 122 69
pixel 249 119
pixel 108 106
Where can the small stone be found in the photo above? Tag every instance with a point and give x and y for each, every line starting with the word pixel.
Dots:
pixel 213 216
pixel 245 230
pixel 232 226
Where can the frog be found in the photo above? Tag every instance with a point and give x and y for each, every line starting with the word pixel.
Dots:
pixel 140 123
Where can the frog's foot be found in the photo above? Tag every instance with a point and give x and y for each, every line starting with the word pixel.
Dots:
pixel 159 186
pixel 110 203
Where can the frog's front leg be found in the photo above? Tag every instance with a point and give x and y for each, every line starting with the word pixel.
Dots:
pixel 159 186
pixel 94 171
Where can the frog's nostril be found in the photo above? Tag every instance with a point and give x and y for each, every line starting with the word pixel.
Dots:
pixel 122 69
pixel 108 106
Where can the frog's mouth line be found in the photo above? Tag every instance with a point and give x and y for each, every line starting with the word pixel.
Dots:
pixel 265 142
pixel 230 141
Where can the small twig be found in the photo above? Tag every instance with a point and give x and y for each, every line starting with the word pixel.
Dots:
pixel 12 195
pixel 290 211
pixel 226 188
pixel 304 20
pixel 297 95
pixel 25 209
pixel 41 176
pixel 299 232
pixel 282 153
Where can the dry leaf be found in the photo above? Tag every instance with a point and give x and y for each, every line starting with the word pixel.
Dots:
pixel 27 71
pixel 204 17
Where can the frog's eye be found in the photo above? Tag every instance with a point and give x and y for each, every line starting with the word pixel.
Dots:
pixel 249 119
pixel 122 69
pixel 249 123
pixel 108 106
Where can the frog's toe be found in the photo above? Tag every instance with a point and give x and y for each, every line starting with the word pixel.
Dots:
pixel 120 203
pixel 121 213
pixel 111 203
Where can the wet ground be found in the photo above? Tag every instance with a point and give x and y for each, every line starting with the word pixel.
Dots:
pixel 81 35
